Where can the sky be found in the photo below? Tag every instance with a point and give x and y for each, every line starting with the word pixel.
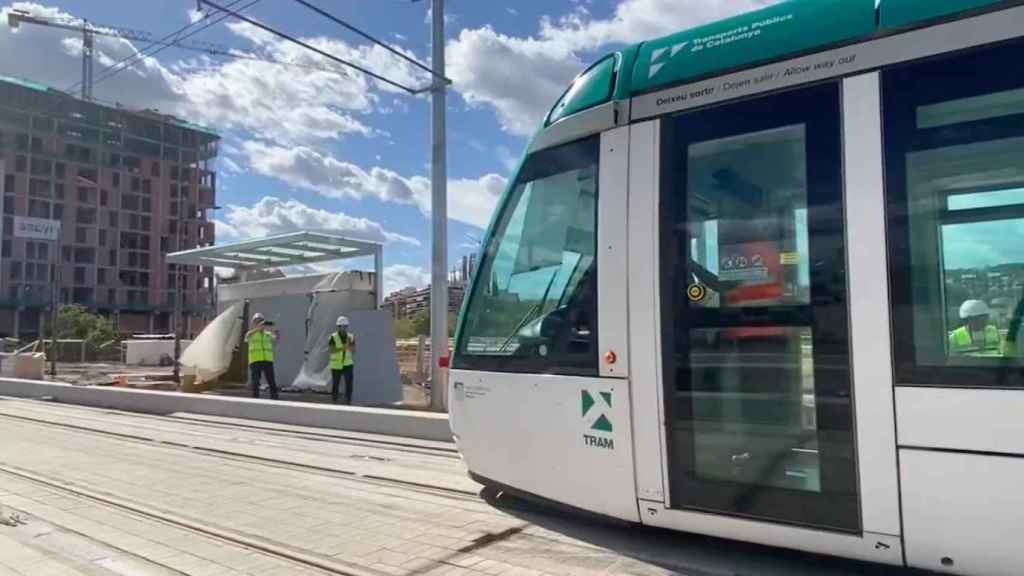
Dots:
pixel 318 147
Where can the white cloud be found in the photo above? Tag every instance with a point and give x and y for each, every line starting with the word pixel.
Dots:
pixel 271 216
pixel 400 276
pixel 469 200
pixel 195 15
pixel 53 57
pixel 488 67
pixel 313 101
pixel 228 165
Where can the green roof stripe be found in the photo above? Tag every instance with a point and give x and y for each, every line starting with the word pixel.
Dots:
pixel 766 34
pixel 26 83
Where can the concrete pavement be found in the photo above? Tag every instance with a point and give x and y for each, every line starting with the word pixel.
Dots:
pixel 121 493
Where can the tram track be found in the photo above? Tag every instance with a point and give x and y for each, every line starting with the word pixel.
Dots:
pixel 328 566
pixel 240 456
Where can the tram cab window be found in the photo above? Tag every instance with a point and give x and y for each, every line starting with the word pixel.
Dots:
pixel 955 188
pixel 534 303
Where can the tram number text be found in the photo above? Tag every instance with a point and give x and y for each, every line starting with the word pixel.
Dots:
pixel 598 442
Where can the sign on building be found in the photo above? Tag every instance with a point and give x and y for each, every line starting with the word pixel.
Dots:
pixel 36 228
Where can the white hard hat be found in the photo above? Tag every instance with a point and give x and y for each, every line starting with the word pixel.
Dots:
pixel 342 320
pixel 257 317
pixel 972 308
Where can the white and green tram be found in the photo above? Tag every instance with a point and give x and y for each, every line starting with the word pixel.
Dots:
pixel 763 280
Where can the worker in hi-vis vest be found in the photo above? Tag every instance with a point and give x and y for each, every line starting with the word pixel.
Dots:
pixel 343 348
pixel 261 339
pixel 977 336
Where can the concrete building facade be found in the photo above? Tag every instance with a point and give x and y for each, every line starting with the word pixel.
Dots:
pixel 127 186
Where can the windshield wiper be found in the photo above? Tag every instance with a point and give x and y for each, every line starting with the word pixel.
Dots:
pixel 531 313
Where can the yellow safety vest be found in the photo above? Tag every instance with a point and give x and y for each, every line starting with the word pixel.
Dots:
pixel 261 347
pixel 960 340
pixel 341 355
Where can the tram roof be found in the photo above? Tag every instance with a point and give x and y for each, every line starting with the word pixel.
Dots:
pixel 771 33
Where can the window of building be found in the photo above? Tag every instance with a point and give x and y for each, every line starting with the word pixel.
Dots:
pixel 86 215
pixel 115 180
pixel 136 184
pixel 5 251
pixel 174 172
pixel 15 270
pixel 104 196
pixel 954 132
pixel 30 250
pixel 9 205
pixel 146 204
pixel 38 208
pixel 112 219
pixel 58 211
pixel 9 183
pixel 79 275
pixel 85 195
pixel 43 251
pixel 85 255
pixel 101 276
pixel 20 163
pixel 21 141
pixel 41 167
pixel 103 237
pixel 80 234
pixel 40 188
pixel 60 169
pixel 147 186
pixel 155 170
pixel 538 310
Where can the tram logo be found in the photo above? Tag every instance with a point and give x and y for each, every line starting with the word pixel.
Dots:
pixel 661 56
pixel 595 408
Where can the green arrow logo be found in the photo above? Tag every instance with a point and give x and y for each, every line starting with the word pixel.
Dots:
pixel 587 402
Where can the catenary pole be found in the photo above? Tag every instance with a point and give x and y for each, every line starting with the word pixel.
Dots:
pixel 439 213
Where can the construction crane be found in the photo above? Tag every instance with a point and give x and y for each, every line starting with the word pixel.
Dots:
pixel 16 18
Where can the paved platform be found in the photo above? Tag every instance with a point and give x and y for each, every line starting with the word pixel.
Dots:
pixel 98 492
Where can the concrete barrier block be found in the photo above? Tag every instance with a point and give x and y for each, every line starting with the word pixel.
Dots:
pixel 409 424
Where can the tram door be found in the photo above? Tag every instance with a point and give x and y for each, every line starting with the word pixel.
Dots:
pixel 754 312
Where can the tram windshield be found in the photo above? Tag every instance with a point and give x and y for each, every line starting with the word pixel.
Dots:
pixel 533 306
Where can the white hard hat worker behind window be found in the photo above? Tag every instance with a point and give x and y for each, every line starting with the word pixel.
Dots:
pixel 974 309
pixel 343 321
pixel 257 317
pixel 977 335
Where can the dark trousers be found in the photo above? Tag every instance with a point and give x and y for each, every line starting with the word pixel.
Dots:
pixel 267 370
pixel 336 376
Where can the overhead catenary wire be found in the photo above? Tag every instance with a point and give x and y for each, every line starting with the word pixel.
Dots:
pixel 373 39
pixel 311 48
pixel 177 36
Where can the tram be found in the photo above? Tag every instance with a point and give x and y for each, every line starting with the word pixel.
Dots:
pixel 762 280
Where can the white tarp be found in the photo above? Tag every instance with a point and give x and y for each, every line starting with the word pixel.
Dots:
pixel 305 309
pixel 209 355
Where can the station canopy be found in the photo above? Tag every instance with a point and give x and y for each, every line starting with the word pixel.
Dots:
pixel 279 251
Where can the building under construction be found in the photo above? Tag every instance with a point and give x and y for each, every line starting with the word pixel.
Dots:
pixel 128 187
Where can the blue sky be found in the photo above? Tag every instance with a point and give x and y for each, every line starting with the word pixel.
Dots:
pixel 314 149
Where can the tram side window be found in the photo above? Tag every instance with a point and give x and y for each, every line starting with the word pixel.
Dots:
pixel 533 307
pixel 955 187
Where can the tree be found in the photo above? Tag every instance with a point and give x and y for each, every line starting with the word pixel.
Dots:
pixel 420 324
pixel 76 322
